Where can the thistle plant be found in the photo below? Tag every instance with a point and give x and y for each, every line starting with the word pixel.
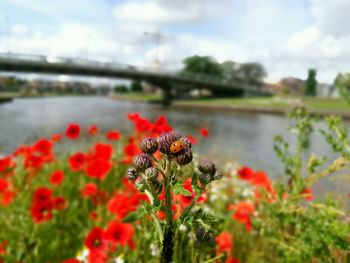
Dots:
pixel 171 178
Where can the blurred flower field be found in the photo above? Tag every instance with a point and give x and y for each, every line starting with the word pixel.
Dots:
pixel 148 196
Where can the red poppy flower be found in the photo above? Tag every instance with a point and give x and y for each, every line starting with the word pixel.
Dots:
pixel 93 215
pixel 56 137
pixel 90 189
pixel 71 260
pixel 94 240
pixel 43 146
pixel 98 168
pixel 245 173
pixel 186 200
pixel 33 161
pixel 7 198
pixel 3 185
pixel 57 178
pixel 42 194
pixel 224 243
pixel 41 212
pixel 119 233
pixel 308 194
pixel 192 139
pixel 73 131
pixel 260 179
pixel 103 151
pixel 204 132
pixel 93 129
pixel 5 163
pixel 243 211
pixel 59 203
pixel 3 246
pixel 113 135
pixel 142 125
pixel 77 162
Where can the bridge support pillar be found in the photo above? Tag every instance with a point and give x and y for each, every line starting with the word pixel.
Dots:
pixel 167 97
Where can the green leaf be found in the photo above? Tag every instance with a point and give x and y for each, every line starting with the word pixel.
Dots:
pixel 179 190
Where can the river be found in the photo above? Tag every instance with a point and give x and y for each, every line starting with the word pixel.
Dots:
pixel 245 137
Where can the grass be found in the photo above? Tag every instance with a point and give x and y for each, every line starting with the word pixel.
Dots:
pixel 140 97
pixel 322 104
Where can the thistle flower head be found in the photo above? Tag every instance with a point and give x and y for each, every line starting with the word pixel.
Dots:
pixel 142 161
pixel 131 174
pixel 185 157
pixel 166 139
pixel 149 145
pixel 205 178
pixel 206 166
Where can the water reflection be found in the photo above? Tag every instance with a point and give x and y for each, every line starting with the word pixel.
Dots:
pixel 233 136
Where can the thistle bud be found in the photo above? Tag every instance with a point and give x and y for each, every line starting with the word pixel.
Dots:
pixel 186 141
pixel 205 178
pixel 142 161
pixel 206 166
pixel 151 173
pixel 131 174
pixel 184 158
pixel 166 139
pixel 149 145
pixel 217 176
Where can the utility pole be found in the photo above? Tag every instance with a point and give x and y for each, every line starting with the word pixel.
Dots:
pixel 157 37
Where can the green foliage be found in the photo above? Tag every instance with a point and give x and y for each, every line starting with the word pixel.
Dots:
pixel 202 65
pixel 251 72
pixel 310 86
pixel 136 86
pixel 342 83
pixel 120 89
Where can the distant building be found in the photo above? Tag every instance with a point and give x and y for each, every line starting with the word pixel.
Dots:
pixel 290 85
pixel 327 90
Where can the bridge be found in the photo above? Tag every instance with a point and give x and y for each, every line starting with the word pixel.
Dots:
pixel 168 81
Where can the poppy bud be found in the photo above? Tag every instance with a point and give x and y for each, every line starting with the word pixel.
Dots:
pixel 184 158
pixel 166 139
pixel 149 145
pixel 142 161
pixel 206 166
pixel 131 174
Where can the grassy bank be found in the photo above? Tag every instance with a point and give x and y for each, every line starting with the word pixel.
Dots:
pixel 137 97
pixel 323 104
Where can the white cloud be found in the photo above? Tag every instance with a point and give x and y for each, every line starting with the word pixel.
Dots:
pixel 332 16
pixel 288 37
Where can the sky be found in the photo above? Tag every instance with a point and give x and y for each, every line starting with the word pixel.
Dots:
pixel 287 36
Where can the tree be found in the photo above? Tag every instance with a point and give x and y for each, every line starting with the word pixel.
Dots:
pixel 202 65
pixel 342 84
pixel 136 86
pixel 120 89
pixel 248 72
pixel 310 85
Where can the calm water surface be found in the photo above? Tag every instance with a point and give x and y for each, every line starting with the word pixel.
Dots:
pixel 247 138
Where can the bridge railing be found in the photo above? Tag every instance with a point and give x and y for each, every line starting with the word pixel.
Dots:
pixel 110 65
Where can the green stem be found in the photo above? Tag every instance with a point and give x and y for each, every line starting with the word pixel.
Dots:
pixel 168 241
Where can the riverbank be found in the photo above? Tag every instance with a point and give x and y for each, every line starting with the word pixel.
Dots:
pixel 273 106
